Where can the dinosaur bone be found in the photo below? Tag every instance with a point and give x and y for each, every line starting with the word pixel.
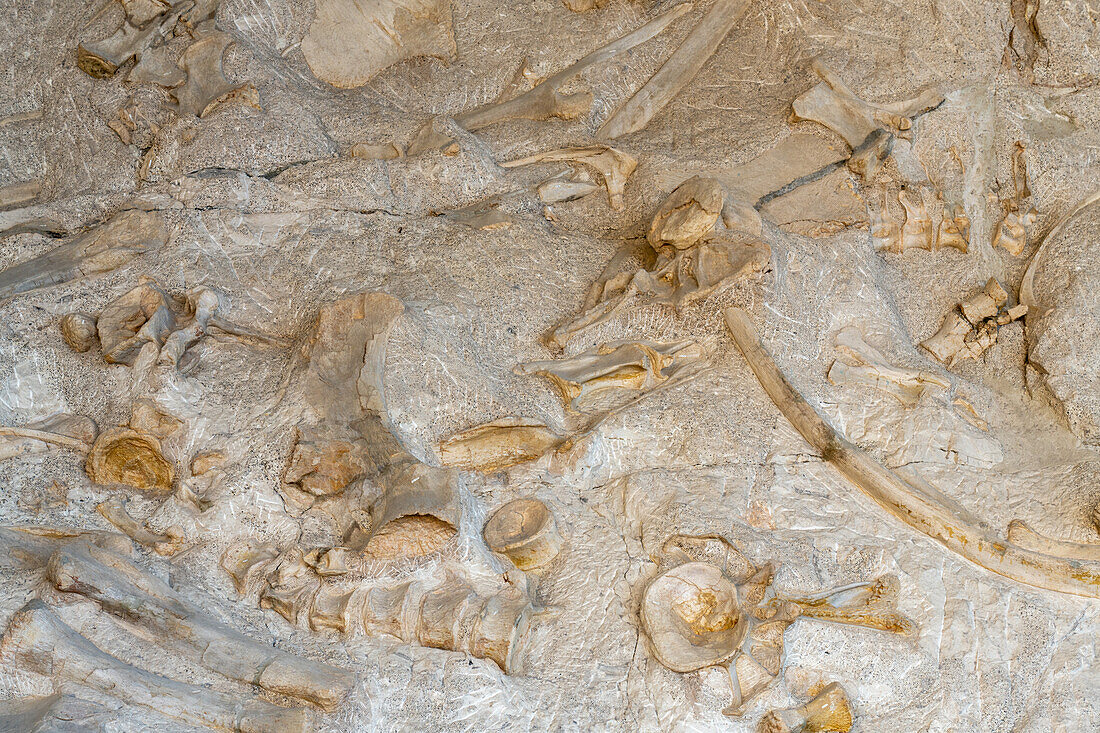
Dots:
pixel 828 712
pixel 902 500
pixel 114 511
pixel 872 368
pixel 525 531
pixel 496 445
pixel 614 166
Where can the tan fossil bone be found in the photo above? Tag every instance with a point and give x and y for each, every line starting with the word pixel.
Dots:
pixel 344 385
pixel 614 166
pixel 123 589
pixel 102 249
pixel 449 614
pixel 571 186
pixel 954 229
pixel 201 305
pixel 19 194
pixel 101 59
pixel 675 279
pixel 380 151
pixel 583 6
pixel 496 445
pixel 322 466
pixel 688 214
pixel 900 499
pixel 871 368
pixel 833 104
pixel 73 432
pixel 972 328
pixel 1021 534
pixel 591 381
pixel 828 712
pixel 79 331
pixel 55 713
pixel 39 641
pixel 677 71
pixel 142 315
pixel 526 531
pixel 545 101
pixel 873 605
pixel 1010 233
pixel 349 42
pixel 917 231
pixel 169 543
pixel 33 546
pixel 206 87
pixel 130 458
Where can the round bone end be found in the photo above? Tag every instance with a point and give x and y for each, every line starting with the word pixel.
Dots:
pixel 525 531
pixel 79 331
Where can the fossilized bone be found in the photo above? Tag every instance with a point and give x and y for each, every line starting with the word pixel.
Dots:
pixel 590 381
pixel 33 546
pixel 350 42
pixel 828 712
pixel 343 383
pixel 206 87
pixel 125 590
pixel 899 498
pixel 525 531
pixel 53 714
pixel 614 166
pixel 19 194
pixel 677 71
pixel 954 229
pixel 873 605
pixel 101 59
pixel 449 615
pixel 496 445
pixel 1010 232
pixel 1021 534
pixel 169 543
pixel 38 640
pixel 130 458
pixel 74 432
pixel 544 101
pixel 972 328
pixel 79 331
pixel 105 248
pixel 871 368
pixel 688 214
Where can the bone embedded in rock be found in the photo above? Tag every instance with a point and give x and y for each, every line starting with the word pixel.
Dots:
pixel 526 531
pixel 828 712
pixel 142 315
pixel 379 151
pixel 169 543
pixel 688 214
pixel 614 166
pixel 560 189
pixel 496 445
pixel 19 194
pixel 917 229
pixel 677 71
pixel 1010 233
pixel 321 466
pixel 206 86
pixel 102 249
pixel 349 42
pixel 954 229
pixel 39 641
pixel 55 713
pixel 147 417
pixel 122 456
pixel 79 331
pixel 1020 533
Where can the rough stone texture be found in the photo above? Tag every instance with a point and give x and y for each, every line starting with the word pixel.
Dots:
pixel 268 207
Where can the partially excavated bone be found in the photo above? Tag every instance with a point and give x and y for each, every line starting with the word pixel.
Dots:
pixel 593 380
pixel 871 368
pixel 675 73
pixel 140 316
pixel 78 330
pixel 101 59
pixel 873 605
pixel 56 713
pixel 917 229
pixel 19 194
pixel 525 530
pixel 688 214
pixel 122 588
pixel 449 615
pixel 206 87
pixel 130 458
pixel 496 445
pixel 954 229
pixel 98 250
pixel 828 712
pixel 349 42
pixel 64 430
pixel 903 501
pixel 613 166
pixel 971 329
pixel 1010 233
pixel 39 641
pixel 381 151
pixel 1021 534
pixel 169 543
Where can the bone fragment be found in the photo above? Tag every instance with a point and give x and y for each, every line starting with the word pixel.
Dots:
pixel 525 531
pixel 828 712
pixel 1021 534
pixel 105 248
pixel 873 369
pixel 873 605
pixel 114 511
pixel 147 417
pixel 677 71
pixel 19 194
pixel 349 42
pixel 564 188
pixel 101 59
pixel 206 87
pixel 972 328
pixel 33 546
pixel 140 316
pixel 130 458
pixel 53 714
pixel 39 641
pixel 382 151
pixel 78 330
pixel 123 589
pixel 614 166
pixel 900 499
pixel 496 445
pixel 688 214
pixel 1011 231
pixel 954 229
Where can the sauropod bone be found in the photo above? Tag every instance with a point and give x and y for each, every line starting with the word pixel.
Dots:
pixel 206 87
pixel 828 712
pixel 39 641
pixel 677 71
pixel 1021 534
pixel 53 714
pixel 102 249
pixel 123 589
pixel 350 41
pixel 614 166
pixel 101 59
pixel 142 315
pixel 33 546
pixel 872 368
pixel 972 328
pixel 131 458
pixel 525 530
pixel 114 511
pixel 900 499
pixel 496 445
pixel 78 330
pixel 688 214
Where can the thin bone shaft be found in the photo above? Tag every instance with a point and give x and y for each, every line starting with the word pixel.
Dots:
pixel 897 497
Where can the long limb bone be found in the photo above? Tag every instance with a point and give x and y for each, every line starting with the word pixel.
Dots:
pixel 1021 534
pixel 38 640
pixel 680 69
pixel 900 499
pixel 124 589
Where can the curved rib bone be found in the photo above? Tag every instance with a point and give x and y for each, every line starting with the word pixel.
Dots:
pixel 899 498
pixel 1021 534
